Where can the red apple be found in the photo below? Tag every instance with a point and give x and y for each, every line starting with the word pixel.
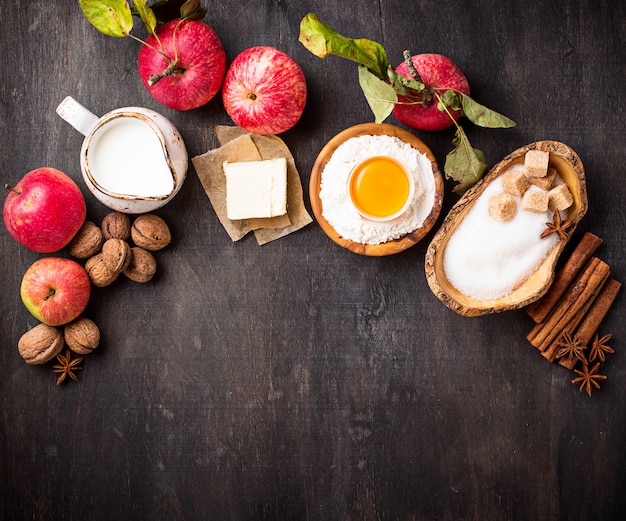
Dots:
pixel 439 72
pixel 44 210
pixel 55 290
pixel 185 67
pixel 264 91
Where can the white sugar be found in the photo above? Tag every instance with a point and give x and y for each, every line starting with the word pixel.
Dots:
pixel 337 208
pixel 488 259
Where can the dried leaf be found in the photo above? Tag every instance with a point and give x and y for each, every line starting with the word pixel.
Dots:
pixel 379 94
pixel 483 116
pixel 450 99
pixel 464 164
pixel 192 10
pixel 404 86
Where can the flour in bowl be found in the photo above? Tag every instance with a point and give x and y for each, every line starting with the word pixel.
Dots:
pixel 339 211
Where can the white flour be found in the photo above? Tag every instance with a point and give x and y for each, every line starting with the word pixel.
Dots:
pixel 337 208
pixel 487 259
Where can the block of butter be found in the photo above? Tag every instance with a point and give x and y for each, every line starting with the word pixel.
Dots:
pixel 256 189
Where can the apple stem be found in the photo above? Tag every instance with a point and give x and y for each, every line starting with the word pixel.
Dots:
pixel 49 295
pixel 9 187
pixel 171 70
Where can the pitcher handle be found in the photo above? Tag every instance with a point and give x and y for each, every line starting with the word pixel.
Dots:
pixel 77 115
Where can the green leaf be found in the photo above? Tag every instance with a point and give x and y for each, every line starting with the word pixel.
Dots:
pixel 110 17
pixel 380 96
pixel 464 164
pixel 321 40
pixel 482 116
pixel 146 14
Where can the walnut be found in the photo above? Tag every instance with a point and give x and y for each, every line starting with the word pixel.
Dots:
pixel 116 225
pixel 87 241
pixel 142 267
pixel 150 232
pixel 40 344
pixel 99 274
pixel 116 254
pixel 82 335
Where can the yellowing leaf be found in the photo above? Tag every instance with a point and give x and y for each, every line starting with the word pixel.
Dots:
pixel 321 40
pixel 146 14
pixel 111 17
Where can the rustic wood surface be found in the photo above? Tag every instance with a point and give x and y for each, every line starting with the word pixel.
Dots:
pixel 299 380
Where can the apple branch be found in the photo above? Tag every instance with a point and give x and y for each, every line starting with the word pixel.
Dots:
pixel 171 70
pixel 427 93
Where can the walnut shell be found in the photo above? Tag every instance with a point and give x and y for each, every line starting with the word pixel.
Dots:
pixel 40 344
pixel 99 274
pixel 142 267
pixel 150 232
pixel 87 241
pixel 82 335
pixel 116 254
pixel 116 225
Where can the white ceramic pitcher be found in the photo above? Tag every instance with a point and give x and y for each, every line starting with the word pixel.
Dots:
pixel 132 159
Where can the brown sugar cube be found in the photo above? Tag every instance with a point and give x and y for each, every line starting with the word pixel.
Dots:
pixel 514 182
pixel 545 183
pixel 502 207
pixel 560 198
pixel 535 201
pixel 536 163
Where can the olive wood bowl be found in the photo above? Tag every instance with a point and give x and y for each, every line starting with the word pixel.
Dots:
pixel 569 166
pixel 387 248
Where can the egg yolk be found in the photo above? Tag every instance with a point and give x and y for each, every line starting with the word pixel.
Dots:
pixel 379 186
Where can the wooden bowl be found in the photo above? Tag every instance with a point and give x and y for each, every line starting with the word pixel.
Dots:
pixel 387 248
pixel 570 168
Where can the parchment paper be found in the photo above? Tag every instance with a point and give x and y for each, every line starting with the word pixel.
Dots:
pixel 237 145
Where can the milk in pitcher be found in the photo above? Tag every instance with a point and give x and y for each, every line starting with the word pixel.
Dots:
pixel 126 156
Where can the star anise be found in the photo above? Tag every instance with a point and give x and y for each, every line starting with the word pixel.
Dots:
pixel 556 226
pixel 571 347
pixel 599 347
pixel 588 377
pixel 66 367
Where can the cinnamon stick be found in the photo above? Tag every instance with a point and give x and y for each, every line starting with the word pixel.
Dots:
pixel 584 287
pixel 540 309
pixel 600 308
pixel 594 317
pixel 552 348
pixel 540 331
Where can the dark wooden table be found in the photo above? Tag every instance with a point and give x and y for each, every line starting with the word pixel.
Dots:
pixel 298 380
